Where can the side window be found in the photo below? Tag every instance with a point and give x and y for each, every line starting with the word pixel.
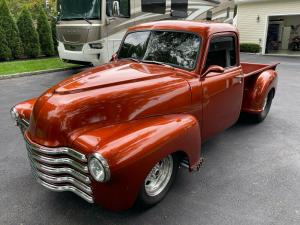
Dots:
pixel 222 52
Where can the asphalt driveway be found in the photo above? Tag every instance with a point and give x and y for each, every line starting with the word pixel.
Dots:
pixel 251 173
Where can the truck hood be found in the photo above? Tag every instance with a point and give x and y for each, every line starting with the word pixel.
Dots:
pixel 113 93
pixel 111 75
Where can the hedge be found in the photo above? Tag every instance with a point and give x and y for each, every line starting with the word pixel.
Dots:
pixel 10 29
pixel 28 34
pixel 45 34
pixel 5 52
pixel 250 47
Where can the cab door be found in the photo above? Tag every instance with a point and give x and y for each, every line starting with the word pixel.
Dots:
pixel 222 92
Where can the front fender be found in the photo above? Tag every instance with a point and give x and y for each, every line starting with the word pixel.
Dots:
pixel 133 148
pixel 24 109
pixel 256 90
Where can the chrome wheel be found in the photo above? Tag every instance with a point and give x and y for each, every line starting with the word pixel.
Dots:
pixel 159 176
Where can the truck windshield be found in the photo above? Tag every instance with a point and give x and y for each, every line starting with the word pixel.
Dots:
pixel 176 49
pixel 79 9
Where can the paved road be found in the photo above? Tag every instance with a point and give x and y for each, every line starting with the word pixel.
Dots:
pixel 251 174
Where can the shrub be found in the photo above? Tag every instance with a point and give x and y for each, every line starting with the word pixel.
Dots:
pixel 250 47
pixel 45 34
pixel 29 35
pixel 10 30
pixel 5 52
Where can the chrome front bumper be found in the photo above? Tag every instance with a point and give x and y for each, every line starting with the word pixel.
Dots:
pixel 60 169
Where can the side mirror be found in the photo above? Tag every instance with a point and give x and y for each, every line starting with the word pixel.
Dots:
pixel 113 57
pixel 116 8
pixel 214 69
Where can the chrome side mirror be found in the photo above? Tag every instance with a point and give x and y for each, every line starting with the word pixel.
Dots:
pixel 213 69
pixel 116 8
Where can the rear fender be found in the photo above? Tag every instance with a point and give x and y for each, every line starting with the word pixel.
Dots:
pixel 133 148
pixel 256 90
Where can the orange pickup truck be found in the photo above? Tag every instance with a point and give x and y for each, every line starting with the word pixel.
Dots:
pixel 116 134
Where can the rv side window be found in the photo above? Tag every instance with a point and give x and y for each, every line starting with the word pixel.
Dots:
pixel 123 8
pixel 222 52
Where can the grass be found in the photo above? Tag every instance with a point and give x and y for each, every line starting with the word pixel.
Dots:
pixel 21 66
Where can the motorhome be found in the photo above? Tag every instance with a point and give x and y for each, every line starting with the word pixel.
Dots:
pixel 90 31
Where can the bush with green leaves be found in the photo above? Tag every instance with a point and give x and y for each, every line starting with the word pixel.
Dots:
pixel 5 52
pixel 28 34
pixel 45 34
pixel 250 47
pixel 10 29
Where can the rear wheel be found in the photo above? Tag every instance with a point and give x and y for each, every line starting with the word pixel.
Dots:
pixel 158 181
pixel 257 118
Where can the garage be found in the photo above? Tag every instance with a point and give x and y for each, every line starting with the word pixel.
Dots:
pixel 283 36
pixel 272 24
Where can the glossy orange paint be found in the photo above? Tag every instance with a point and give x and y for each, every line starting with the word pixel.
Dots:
pixel 260 79
pixel 134 149
pixel 135 114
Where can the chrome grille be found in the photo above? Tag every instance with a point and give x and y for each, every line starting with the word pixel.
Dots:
pixel 23 124
pixel 60 169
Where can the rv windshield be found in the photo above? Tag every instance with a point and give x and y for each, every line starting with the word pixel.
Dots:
pixel 178 49
pixel 79 9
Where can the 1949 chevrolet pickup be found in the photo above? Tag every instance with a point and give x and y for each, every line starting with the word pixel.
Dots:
pixel 116 134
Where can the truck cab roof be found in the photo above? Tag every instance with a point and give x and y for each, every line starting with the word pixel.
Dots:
pixel 204 29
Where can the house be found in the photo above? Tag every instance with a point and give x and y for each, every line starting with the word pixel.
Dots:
pixel 273 24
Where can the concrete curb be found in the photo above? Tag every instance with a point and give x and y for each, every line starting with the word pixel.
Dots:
pixel 17 75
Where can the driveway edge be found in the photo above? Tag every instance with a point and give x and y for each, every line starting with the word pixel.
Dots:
pixel 17 75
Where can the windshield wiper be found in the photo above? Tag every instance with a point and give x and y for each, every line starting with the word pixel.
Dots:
pixel 155 62
pixel 87 20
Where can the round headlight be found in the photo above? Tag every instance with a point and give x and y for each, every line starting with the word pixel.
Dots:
pixel 98 168
pixel 14 114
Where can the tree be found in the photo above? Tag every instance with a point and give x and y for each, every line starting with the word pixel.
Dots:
pixel 5 52
pixel 53 29
pixel 28 34
pixel 16 6
pixel 10 30
pixel 45 34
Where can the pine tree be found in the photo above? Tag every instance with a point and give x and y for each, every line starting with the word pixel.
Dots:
pixel 5 52
pixel 53 29
pixel 29 35
pixel 10 30
pixel 45 34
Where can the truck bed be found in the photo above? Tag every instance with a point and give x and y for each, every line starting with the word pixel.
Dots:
pixel 250 69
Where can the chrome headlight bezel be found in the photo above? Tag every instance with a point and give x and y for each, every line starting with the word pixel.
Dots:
pixel 102 163
pixel 14 115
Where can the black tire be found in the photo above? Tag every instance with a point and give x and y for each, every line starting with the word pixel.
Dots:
pixel 144 200
pixel 260 117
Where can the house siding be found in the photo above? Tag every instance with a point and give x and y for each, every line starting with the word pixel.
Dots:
pixel 252 31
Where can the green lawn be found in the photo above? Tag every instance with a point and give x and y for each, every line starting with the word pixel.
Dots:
pixel 21 66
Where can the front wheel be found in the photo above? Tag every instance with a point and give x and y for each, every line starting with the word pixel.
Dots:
pixel 158 181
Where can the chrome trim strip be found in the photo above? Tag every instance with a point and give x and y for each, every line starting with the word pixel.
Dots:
pixel 24 122
pixel 66 188
pixel 59 170
pixel 63 179
pixel 57 161
pixel 56 151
